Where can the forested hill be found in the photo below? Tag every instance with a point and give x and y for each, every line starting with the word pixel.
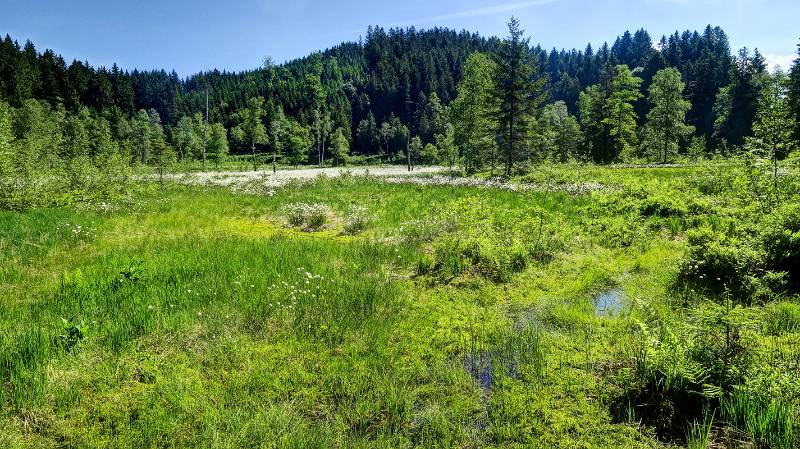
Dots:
pixel 404 73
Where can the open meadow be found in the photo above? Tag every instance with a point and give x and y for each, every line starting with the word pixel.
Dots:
pixel 575 307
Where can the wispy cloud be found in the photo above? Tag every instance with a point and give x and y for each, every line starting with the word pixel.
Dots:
pixel 477 12
pixel 784 61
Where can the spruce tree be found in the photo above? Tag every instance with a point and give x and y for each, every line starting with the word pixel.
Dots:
pixel 517 90
pixel 794 95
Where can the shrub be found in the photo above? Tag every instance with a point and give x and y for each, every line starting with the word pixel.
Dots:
pixel 357 220
pixel 663 205
pixel 717 264
pixel 758 263
pixel 309 217
pixel 781 240
pixel 485 257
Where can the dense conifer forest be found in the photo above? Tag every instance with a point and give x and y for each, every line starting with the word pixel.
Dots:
pixel 403 78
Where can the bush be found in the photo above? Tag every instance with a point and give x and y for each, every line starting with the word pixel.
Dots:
pixel 309 217
pixel 484 257
pixel 757 263
pixel 717 264
pixel 357 221
pixel 781 240
pixel 663 205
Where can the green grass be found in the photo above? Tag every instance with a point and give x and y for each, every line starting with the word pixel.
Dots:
pixel 454 317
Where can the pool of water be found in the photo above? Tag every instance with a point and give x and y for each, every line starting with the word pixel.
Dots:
pixel 609 303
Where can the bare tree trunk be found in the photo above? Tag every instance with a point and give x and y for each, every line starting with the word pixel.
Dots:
pixel 322 155
pixel 253 146
pixel 408 151
pixel 205 129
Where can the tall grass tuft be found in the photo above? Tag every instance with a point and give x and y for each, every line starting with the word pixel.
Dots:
pixel 770 423
pixel 698 436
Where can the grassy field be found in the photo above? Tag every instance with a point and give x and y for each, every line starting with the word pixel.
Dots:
pixel 353 312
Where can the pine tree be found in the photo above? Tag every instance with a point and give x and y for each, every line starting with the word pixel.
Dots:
pixel 794 95
pixel 517 90
pixel 162 156
pixel 596 134
pixel 666 121
pixel 141 135
pixel 736 104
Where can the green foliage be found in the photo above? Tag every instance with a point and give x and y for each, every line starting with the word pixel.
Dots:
pixel 472 112
pixel 753 266
pixel 699 434
pixel 770 423
pixel 518 92
pixel 773 125
pixel 309 217
pixel 781 318
pixel 736 103
pixel 666 125
pixel 218 144
pixel 430 154
pixel 561 134
pixel 618 112
pixel 250 129
pixel 72 333
pixel 49 158
pixel 298 142
pixel 340 147
pixel 445 144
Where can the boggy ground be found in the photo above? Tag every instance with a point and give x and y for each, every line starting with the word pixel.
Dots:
pixel 389 315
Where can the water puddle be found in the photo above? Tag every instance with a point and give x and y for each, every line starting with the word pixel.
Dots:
pixel 479 365
pixel 609 303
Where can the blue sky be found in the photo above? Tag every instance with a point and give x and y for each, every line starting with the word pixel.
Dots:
pixel 193 35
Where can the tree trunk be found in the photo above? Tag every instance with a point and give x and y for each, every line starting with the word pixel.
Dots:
pixel 408 154
pixel 253 146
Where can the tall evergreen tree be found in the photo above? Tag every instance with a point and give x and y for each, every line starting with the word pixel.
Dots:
pixel 794 95
pixel 517 87
pixel 736 103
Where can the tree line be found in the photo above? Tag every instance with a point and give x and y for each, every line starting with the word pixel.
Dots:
pixel 432 95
